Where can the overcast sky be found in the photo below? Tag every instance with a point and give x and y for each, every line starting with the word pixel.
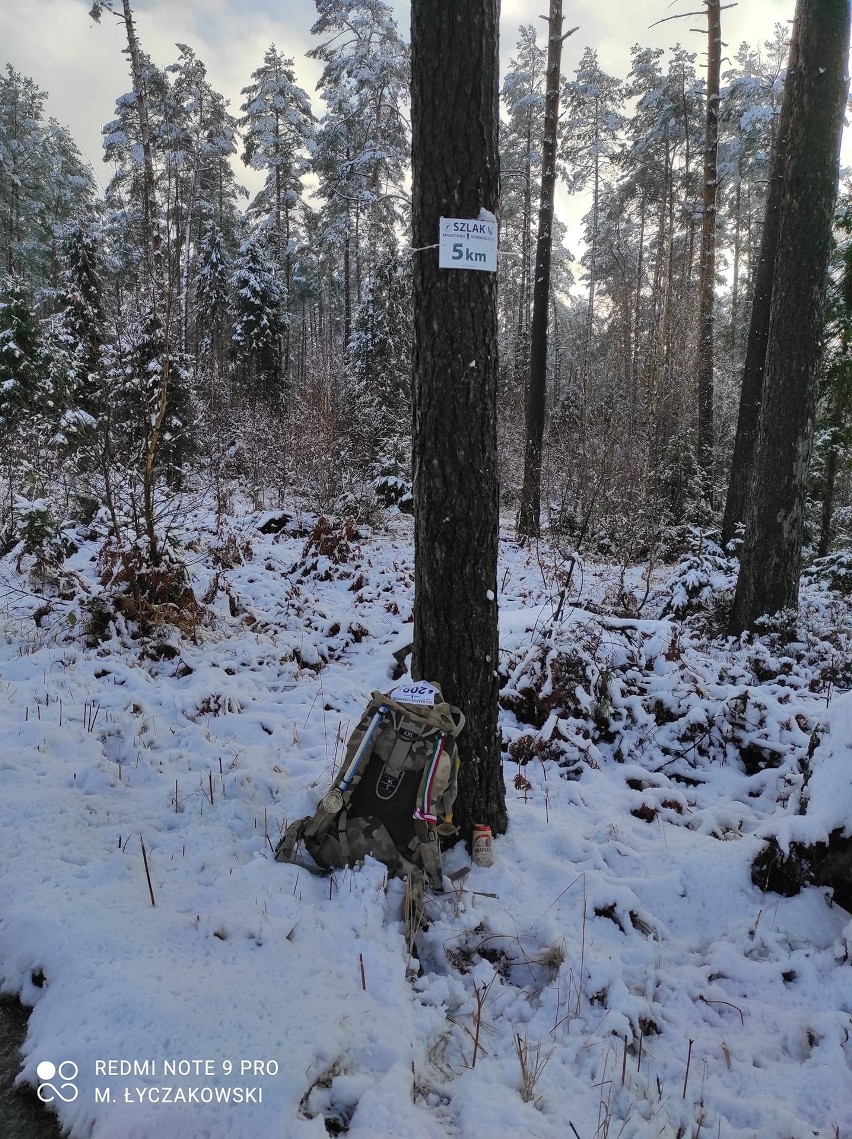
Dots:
pixel 80 65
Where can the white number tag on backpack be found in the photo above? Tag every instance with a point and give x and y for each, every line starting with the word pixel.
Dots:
pixel 420 693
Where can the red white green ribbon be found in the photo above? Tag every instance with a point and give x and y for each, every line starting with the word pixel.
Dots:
pixel 423 812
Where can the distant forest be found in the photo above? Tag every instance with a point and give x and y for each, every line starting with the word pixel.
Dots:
pixel 172 337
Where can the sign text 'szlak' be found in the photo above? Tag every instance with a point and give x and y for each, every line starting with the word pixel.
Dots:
pixel 467 243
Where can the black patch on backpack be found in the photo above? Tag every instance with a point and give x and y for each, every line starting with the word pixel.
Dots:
pixel 370 798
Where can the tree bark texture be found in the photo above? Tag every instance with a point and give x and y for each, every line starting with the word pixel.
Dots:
pixel 530 508
pixel 455 173
pixel 707 278
pixel 771 554
pixel 751 392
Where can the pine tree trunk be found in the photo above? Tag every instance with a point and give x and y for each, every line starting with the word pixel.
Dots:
pixel 829 484
pixel 455 173
pixel 771 554
pixel 522 347
pixel 347 283
pixel 530 509
pixel 735 268
pixel 635 354
pixel 751 391
pixel 592 259
pixel 707 281
pixel 161 300
pixel 288 301
pixel 153 234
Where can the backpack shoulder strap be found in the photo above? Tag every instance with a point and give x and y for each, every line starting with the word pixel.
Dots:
pixel 334 801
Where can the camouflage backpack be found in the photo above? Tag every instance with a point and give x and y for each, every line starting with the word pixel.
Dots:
pixel 394 796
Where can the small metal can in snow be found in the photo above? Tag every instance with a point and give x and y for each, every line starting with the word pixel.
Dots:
pixel 483 845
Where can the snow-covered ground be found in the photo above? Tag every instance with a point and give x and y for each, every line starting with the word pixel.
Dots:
pixel 615 973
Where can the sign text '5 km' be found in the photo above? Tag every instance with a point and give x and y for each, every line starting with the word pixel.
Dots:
pixel 467 243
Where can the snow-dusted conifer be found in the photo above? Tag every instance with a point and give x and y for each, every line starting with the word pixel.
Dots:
pixel 136 391
pixel 22 168
pixel 258 326
pixel 380 376
pixel 362 148
pixel 278 128
pixel 44 184
pixel 212 298
pixel 520 167
pixel 82 321
pixel 201 140
pixel 593 125
pixel 748 113
pixel 23 391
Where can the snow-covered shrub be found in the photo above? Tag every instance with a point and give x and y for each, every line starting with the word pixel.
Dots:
pixel 36 526
pixel 230 548
pixel 833 572
pixel 648 693
pixel 393 490
pixel 150 595
pixel 814 843
pixel 39 534
pixel 361 502
pixel 704 571
pixel 39 546
pixel 392 483
pixel 330 551
pixel 543 679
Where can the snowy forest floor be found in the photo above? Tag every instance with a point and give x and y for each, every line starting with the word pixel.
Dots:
pixel 614 975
